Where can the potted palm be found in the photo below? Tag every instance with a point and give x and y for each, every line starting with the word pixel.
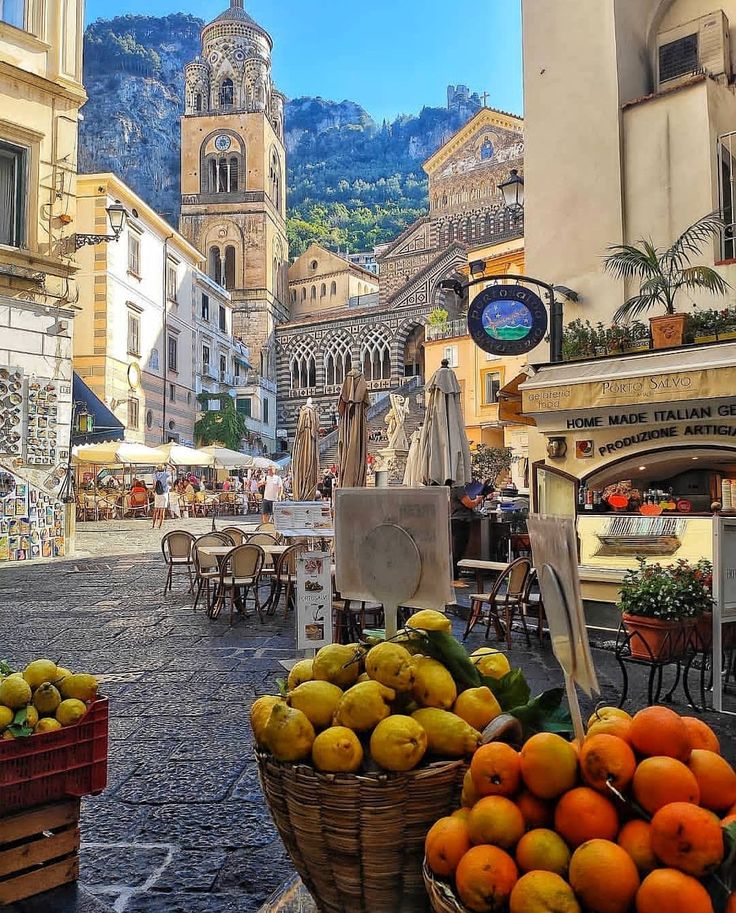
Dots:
pixel 663 274
pixel 661 606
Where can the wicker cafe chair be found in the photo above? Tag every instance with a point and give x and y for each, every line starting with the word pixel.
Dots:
pixel 283 579
pixel 237 534
pixel 241 570
pixel 507 596
pixel 207 567
pixel 270 529
pixel 531 602
pixel 177 551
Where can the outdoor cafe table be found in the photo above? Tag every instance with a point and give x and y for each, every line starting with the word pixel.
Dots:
pixel 220 551
pixel 479 566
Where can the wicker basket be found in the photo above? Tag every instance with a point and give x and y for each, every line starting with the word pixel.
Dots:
pixel 441 894
pixel 357 841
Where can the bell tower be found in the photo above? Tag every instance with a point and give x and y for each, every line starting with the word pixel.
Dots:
pixel 233 176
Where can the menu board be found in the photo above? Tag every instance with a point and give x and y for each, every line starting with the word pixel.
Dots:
pixel 313 600
pixel 43 400
pixel 11 411
pixel 302 517
pixel 31 521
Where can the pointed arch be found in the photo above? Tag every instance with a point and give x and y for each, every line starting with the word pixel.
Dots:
pixel 338 358
pixel 375 353
pixel 302 364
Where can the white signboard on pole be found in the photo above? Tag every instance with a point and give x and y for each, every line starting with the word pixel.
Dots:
pixel 313 600
pixel 724 595
pixel 302 518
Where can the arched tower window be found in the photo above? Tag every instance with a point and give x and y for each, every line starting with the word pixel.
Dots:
pixel 214 264
pixel 198 102
pixel 275 180
pixel 323 290
pixel 375 355
pixel 229 266
pixel 338 360
pixel 302 365
pixel 333 288
pixel 304 293
pixel 227 93
pixel 222 174
pixel 313 293
pixel 233 173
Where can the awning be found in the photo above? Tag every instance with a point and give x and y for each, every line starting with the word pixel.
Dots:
pixel 179 455
pixel 106 426
pixel 509 402
pixel 121 453
pixel 228 459
pixel 698 372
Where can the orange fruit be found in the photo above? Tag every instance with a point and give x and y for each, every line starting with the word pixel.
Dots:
pixel 660 731
pixel 469 796
pixel 607 713
pixel 583 814
pixel 541 892
pixel 537 812
pixel 496 820
pixel 462 813
pixel 731 903
pixel 603 877
pixel 496 770
pixel 673 891
pixel 543 850
pixel 612 725
pixel 716 779
pixel 636 838
pixel 688 838
pixel 661 780
pixel 445 845
pixel 485 877
pixel 549 765
pixel 607 759
pixel 701 735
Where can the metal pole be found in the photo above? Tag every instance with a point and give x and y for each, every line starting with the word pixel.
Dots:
pixel 556 313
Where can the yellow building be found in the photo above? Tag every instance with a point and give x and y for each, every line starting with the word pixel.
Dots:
pixel 320 280
pixel 40 95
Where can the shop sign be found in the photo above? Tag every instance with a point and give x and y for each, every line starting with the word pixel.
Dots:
pixel 688 434
pixel 507 320
pixel 627 418
pixel 313 600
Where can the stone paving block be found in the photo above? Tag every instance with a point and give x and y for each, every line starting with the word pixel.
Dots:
pixel 207 750
pixel 190 870
pixel 229 824
pixel 257 870
pixel 188 783
pixel 124 865
pixel 192 903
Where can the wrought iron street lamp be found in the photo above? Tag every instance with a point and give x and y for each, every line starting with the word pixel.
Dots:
pixel 117 215
pixel 513 193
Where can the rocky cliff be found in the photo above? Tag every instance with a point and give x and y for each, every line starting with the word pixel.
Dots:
pixel 352 183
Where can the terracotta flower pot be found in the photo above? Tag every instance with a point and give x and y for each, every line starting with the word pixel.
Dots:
pixel 657 639
pixel 703 639
pixel 667 331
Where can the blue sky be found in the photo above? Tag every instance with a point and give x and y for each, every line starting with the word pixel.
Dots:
pixel 391 56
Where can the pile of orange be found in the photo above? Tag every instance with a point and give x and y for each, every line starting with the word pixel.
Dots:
pixel 627 822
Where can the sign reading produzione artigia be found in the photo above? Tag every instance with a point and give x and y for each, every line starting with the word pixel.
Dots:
pixel 507 320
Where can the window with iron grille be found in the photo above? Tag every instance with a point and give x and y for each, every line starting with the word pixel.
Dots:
pixel 173 352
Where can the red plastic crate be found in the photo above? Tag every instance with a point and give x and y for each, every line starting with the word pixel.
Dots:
pixel 56 765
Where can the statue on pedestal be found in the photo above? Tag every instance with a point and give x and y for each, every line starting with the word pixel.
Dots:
pixel 396 420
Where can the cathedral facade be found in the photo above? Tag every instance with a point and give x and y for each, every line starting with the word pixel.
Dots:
pixel 233 177
pixel 385 335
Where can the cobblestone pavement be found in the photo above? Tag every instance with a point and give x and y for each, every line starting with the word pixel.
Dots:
pixel 182 826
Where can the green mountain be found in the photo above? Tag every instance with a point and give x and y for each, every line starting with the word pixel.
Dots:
pixel 352 183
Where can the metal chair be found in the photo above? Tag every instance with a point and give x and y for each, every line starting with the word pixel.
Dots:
pixel 206 567
pixel 241 570
pixel 258 538
pixel 177 550
pixel 284 578
pixel 532 600
pixel 270 529
pixel 507 595
pixel 237 534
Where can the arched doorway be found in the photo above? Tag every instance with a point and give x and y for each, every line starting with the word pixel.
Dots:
pixel 414 353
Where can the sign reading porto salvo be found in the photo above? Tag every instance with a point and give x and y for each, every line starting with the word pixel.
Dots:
pixel 507 320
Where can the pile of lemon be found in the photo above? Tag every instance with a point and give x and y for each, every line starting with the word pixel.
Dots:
pixel 43 698
pixel 389 706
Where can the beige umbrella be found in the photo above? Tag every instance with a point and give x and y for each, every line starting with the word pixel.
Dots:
pixel 352 442
pixel 305 457
pixel 412 477
pixel 228 459
pixel 117 453
pixel 444 452
pixel 179 455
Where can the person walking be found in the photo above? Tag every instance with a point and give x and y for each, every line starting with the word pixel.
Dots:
pixel 272 491
pixel 161 486
pixel 462 512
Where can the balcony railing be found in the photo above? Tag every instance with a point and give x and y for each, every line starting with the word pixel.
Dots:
pixel 209 371
pixel 447 330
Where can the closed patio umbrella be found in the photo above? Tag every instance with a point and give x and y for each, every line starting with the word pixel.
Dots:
pixel 352 445
pixel 444 452
pixel 305 459
pixel 412 477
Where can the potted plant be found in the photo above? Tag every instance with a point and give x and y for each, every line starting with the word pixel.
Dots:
pixel 663 274
pixel 660 606
pixel 578 340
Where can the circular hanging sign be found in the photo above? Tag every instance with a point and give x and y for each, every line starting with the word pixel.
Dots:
pixel 507 320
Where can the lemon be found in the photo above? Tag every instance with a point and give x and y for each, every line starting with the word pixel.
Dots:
pixel 477 706
pixel 391 665
pixel 81 686
pixel 15 692
pixel 289 735
pixel 433 684
pixel 31 716
pixel 363 677
pixel 491 662
pixel 6 717
pixel 47 724
pixel 61 673
pixel 447 735
pixel 317 701
pixel 336 663
pixel 364 706
pixel 40 671
pixel 46 699
pixel 430 620
pixel 398 743
pixel 70 711
pixel 260 711
pixel 300 672
pixel 337 750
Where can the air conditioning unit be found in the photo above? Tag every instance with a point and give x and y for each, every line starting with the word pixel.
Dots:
pixel 701 45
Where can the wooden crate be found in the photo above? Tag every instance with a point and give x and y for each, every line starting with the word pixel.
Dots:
pixel 39 849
